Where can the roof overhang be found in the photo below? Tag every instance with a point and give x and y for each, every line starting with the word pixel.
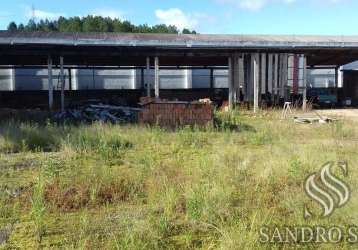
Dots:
pixel 32 48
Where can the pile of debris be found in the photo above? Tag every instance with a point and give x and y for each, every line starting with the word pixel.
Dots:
pixel 310 120
pixel 99 112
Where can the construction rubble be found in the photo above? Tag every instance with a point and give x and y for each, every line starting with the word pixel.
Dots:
pixel 311 120
pixel 152 111
pixel 99 112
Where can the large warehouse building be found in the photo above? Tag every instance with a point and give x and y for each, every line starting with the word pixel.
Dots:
pixel 245 68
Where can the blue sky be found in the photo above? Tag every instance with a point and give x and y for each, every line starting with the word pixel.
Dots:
pixel 337 17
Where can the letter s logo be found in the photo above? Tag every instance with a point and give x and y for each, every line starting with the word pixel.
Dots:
pixel 327 190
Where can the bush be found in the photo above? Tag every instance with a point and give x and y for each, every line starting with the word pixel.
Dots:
pixel 17 137
pixel 99 140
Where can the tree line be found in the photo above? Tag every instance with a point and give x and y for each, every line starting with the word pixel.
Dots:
pixel 94 24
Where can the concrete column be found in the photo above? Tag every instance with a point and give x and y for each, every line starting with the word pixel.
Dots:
pixel 230 82
pixel 156 77
pixel 280 74
pixel 241 78
pixel 50 83
pixel 251 78
pixel 263 73
pixel 275 75
pixel 248 66
pixel 142 80
pixel 336 76
pixel 256 81
pixel 62 77
pixel 340 76
pixel 284 77
pixel 245 77
pixel 211 78
pixel 147 75
pixel 75 77
pixel 236 79
pixel 12 73
pixel 134 78
pixel 69 78
pixel 304 94
pixel 189 78
pixel 270 74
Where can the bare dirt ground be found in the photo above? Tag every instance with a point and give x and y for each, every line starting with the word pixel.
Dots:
pixel 340 114
pixel 349 114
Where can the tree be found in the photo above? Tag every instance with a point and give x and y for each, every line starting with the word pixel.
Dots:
pixel 12 26
pixel 21 27
pixel 187 31
pixel 94 24
pixel 73 24
pixel 31 26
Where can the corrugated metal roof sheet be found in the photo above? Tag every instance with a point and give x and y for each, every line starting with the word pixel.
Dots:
pixel 174 40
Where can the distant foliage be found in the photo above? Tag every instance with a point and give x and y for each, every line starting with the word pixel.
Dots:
pixel 94 24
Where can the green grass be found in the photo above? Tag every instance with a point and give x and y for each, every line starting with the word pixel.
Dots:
pixel 130 187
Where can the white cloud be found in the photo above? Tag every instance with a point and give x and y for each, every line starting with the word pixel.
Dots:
pixel 177 17
pixel 255 5
pixel 107 12
pixel 42 14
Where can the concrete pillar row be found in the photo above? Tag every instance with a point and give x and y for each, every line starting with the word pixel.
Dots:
pixel 262 74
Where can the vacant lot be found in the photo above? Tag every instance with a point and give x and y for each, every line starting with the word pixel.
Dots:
pixel 129 187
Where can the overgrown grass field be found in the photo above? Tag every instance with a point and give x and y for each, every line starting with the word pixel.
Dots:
pixel 105 186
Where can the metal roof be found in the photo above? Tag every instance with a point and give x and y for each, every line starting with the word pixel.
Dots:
pixel 177 40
